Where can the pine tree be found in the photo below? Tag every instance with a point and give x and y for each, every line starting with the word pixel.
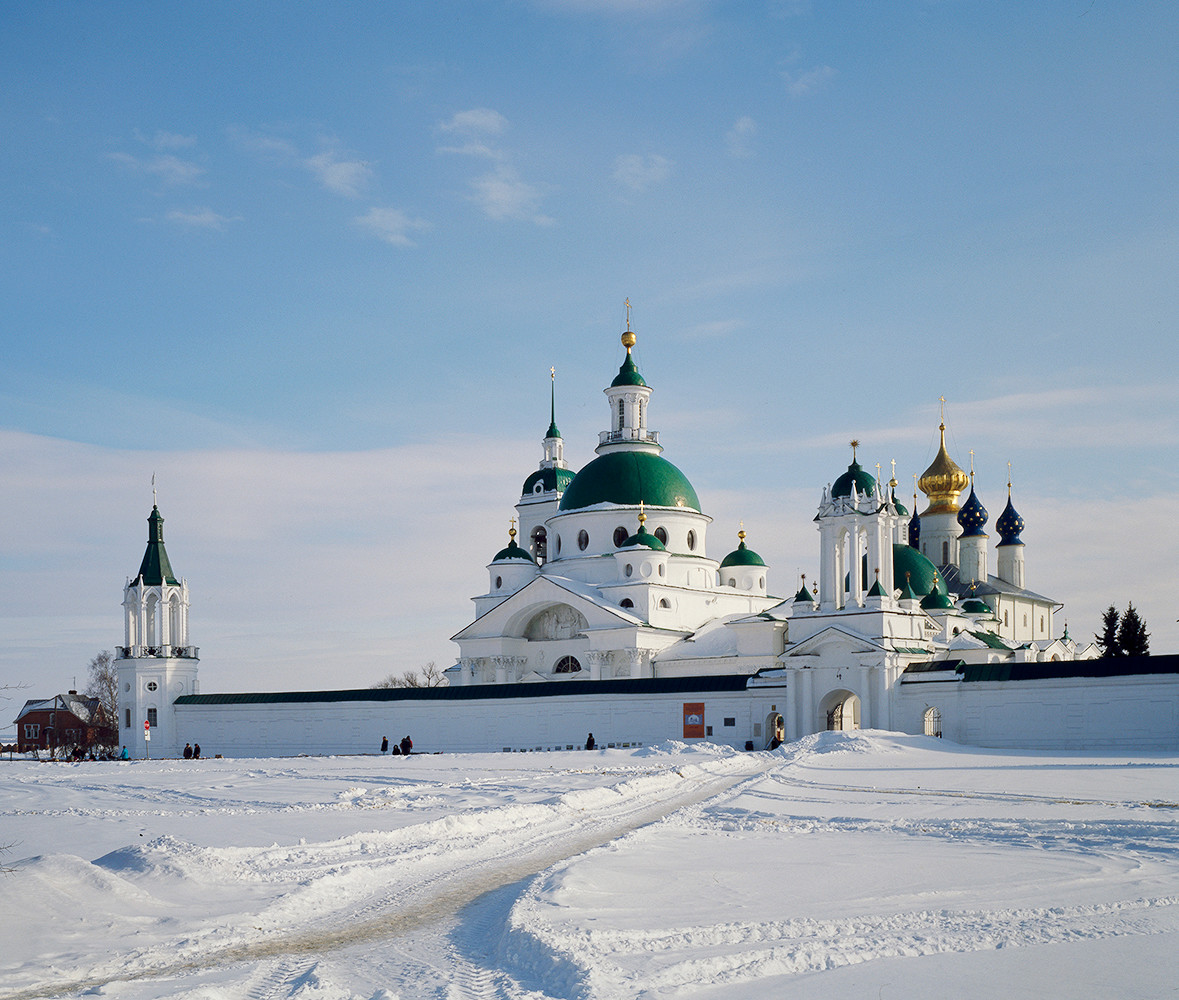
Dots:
pixel 1107 639
pixel 1133 638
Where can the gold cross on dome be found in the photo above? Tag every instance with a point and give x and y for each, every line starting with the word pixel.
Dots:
pixel 627 304
pixel 553 374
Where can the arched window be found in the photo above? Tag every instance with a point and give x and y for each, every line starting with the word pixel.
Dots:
pixel 626 602
pixel 945 553
pixel 583 539
pixel 664 602
pixel 661 534
pixel 761 582
pixel 567 665
pixel 540 544
pixel 621 413
pixel 732 582
pixel 558 545
pixel 620 536
pixel 691 541
pixel 662 570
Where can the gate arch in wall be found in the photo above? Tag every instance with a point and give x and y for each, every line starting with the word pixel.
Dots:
pixel 839 711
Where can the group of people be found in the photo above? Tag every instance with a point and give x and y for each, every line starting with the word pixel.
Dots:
pixel 402 749
pixel 192 751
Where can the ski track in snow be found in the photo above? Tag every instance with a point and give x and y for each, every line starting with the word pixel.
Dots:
pixel 424 873
pixel 468 906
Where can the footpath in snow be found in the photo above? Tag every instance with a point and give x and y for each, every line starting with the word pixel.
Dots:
pixel 870 863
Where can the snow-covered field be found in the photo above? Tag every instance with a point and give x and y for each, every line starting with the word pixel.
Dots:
pixel 859 865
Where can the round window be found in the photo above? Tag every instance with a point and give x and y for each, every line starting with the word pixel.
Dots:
pixel 499 582
pixel 151 685
pixel 629 569
pixel 691 541
pixel 583 539
pixel 661 534
pixel 620 536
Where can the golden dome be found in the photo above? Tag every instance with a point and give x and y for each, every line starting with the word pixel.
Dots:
pixel 943 481
pixel 628 340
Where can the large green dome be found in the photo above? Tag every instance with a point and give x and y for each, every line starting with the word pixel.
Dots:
pixel 630 478
pixel 922 573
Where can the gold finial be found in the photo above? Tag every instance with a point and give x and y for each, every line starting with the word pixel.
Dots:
pixel 942 410
pixel 553 374
pixel 1008 480
pixel 892 482
pixel 155 496
pixel 877 472
pixel 628 338
pixel 854 445
pixel 642 516
pixel 741 533
pixel 972 468
pixel 512 530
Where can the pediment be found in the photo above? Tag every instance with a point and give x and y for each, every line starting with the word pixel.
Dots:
pixel 548 608
pixel 834 641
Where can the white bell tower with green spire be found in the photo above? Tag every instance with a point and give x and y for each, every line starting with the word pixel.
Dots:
pixel 156 663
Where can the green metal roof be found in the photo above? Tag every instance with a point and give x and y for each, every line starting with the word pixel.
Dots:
pixel 742 556
pixel 155 569
pixel 643 538
pixel 922 573
pixel 628 374
pixel 472 692
pixel 629 478
pixel 513 551
pixel 550 479
pixel 864 482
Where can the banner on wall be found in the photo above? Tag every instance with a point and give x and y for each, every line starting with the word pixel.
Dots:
pixel 693 719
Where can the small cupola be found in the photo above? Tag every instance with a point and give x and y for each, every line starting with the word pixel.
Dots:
pixel 512 567
pixel 642 558
pixel 743 569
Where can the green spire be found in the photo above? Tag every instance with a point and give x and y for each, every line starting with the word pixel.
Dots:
pixel 155 568
pixel 553 432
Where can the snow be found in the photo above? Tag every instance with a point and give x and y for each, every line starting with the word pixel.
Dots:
pixel 869 864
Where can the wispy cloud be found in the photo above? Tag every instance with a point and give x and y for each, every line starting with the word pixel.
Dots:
pixel 161 141
pixel 501 193
pixel 740 137
pixel 477 121
pixel 801 84
pixel 391 225
pixel 714 330
pixel 199 218
pixel 639 172
pixel 169 168
pixel 344 177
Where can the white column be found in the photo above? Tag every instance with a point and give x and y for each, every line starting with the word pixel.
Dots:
pixel 598 658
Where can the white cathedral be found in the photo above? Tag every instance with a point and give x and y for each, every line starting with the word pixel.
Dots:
pixel 612 617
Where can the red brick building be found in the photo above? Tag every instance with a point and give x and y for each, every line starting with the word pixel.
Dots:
pixel 63 723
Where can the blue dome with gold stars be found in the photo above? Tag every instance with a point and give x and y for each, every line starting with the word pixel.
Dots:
pixel 972 516
pixel 1010 524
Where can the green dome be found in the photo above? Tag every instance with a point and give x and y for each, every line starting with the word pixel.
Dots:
pixel 549 479
pixel 645 539
pixel 513 551
pixel 864 481
pixel 628 374
pixel 742 556
pixel 629 478
pixel 922 573
pixel 974 606
pixel 937 599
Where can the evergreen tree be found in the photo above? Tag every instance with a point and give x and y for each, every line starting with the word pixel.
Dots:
pixel 1133 638
pixel 1107 638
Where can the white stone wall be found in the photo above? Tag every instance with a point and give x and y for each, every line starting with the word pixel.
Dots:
pixel 1063 713
pixel 285 729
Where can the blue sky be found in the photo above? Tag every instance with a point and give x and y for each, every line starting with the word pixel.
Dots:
pixel 311 266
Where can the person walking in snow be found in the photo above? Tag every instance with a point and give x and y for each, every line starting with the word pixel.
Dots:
pixel 384 744
pixel 406 746
pixel 188 751
pixel 590 742
pixel 196 751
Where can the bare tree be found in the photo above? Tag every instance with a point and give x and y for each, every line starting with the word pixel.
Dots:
pixel 427 676
pixel 103 684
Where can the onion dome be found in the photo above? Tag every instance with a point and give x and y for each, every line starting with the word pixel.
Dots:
pixel 156 569
pixel 742 556
pixel 1010 524
pixel 642 539
pixel 628 374
pixel 943 480
pixel 855 476
pixel 973 606
pixel 804 596
pixel 897 506
pixel 513 551
pixel 915 530
pixel 629 478
pixel 973 515
pixel 922 574
pixel 936 600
